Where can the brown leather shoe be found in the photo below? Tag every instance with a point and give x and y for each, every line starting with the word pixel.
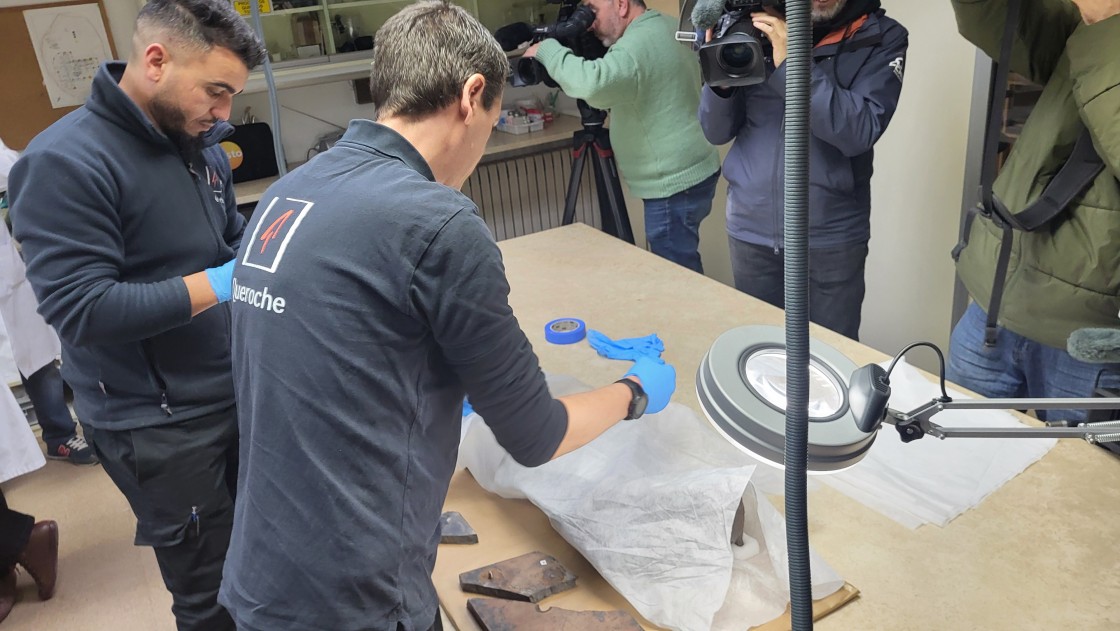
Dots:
pixel 40 557
pixel 7 593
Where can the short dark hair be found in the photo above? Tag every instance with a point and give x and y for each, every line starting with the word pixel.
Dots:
pixel 423 55
pixel 202 25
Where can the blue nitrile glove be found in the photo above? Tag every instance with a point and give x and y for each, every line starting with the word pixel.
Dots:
pixel 221 280
pixel 659 380
pixel 630 348
pixel 467 409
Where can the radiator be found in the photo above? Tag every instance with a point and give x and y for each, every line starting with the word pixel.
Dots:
pixel 523 195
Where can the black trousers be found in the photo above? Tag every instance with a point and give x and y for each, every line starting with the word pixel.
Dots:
pixel 836 284
pixel 45 389
pixel 15 530
pixel 436 626
pixel 180 480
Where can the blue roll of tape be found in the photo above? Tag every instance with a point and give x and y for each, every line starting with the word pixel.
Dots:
pixel 565 331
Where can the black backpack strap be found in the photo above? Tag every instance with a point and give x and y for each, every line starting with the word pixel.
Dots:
pixel 991 327
pixel 990 165
pixel 1080 169
pixel 966 229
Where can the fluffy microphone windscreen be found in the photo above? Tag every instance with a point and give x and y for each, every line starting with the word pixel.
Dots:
pixel 706 13
pixel 1096 346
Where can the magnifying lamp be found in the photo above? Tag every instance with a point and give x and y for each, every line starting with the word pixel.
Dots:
pixel 741 386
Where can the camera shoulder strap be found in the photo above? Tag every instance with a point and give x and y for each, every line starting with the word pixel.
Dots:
pixel 1082 166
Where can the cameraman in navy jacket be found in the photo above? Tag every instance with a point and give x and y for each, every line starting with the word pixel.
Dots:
pixel 858 59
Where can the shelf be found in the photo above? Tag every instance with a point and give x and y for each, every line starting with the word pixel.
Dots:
pixel 500 146
pixel 312 9
pixel 330 70
pixel 362 3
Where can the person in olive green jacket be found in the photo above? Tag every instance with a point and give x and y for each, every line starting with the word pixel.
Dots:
pixel 1066 275
pixel 651 85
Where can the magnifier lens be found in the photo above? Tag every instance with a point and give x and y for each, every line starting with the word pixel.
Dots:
pixel 765 372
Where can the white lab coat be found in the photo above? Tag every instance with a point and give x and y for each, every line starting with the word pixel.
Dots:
pixel 8 157
pixel 34 343
pixel 34 346
pixel 19 451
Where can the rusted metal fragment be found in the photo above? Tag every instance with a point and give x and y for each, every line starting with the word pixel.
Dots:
pixel 454 529
pixel 505 615
pixel 532 577
pixel 738 524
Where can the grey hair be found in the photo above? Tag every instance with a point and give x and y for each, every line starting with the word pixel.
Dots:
pixel 201 25
pixel 423 55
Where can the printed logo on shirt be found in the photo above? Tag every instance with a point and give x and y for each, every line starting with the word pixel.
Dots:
pixel 215 180
pixel 261 299
pixel 273 232
pixel 897 66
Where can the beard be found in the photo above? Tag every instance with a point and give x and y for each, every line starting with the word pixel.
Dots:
pixel 173 123
pixel 825 15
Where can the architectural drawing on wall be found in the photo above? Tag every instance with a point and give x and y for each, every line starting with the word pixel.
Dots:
pixel 70 43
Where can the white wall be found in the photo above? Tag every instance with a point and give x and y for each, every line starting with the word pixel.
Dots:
pixel 918 185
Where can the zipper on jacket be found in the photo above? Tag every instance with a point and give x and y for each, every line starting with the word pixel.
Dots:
pixel 160 382
pixel 205 205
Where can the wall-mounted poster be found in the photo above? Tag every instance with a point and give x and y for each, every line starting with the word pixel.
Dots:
pixel 70 43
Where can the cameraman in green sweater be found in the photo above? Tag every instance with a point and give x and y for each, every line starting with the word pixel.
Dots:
pixel 651 85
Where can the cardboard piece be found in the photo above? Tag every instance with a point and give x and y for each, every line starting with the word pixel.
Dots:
pixel 509 528
pixel 495 614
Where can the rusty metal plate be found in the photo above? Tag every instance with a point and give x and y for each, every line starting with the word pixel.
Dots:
pixel 738 525
pixel 506 615
pixel 532 577
pixel 454 529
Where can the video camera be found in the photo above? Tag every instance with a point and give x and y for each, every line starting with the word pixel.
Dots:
pixel 738 54
pixel 570 29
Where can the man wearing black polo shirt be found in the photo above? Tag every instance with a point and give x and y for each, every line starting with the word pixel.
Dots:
pixel 367 301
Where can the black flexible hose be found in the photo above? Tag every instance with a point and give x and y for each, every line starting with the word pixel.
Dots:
pixel 273 101
pixel 796 212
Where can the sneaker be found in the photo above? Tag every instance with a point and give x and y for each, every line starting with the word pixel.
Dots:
pixel 74 449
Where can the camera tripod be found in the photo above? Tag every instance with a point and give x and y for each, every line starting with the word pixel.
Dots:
pixel 593 141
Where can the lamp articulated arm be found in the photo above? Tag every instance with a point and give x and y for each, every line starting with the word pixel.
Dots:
pixel 870 390
pixel 916 423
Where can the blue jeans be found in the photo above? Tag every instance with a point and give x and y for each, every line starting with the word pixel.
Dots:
pixel 836 284
pixel 45 389
pixel 1018 367
pixel 673 223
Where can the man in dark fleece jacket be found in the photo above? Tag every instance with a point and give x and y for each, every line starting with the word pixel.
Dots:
pixel 369 298
pixel 126 214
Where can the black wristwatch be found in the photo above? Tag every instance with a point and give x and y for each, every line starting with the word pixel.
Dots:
pixel 638 399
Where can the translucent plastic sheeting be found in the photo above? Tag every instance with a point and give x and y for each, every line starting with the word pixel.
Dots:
pixel 931 481
pixel 650 504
